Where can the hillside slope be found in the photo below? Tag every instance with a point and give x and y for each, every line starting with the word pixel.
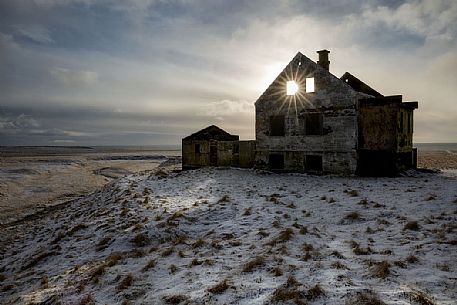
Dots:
pixel 229 236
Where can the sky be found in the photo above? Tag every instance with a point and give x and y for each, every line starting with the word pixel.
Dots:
pixel 149 72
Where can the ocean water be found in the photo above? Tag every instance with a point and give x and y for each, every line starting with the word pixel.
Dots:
pixel 436 146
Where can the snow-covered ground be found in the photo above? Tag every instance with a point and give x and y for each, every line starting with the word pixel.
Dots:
pixel 232 236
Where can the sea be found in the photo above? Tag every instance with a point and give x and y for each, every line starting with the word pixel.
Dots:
pixel 436 146
pixel 167 150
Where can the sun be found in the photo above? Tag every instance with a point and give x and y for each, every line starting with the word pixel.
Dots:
pixel 292 87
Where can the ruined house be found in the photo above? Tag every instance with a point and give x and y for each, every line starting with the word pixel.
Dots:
pixel 309 120
pixel 213 146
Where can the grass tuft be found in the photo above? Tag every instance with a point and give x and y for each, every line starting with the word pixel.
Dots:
pixel 412 225
pixel 253 264
pixel 126 282
pixel 381 270
pixel 365 298
pixel 151 264
pixel 219 288
pixel 141 240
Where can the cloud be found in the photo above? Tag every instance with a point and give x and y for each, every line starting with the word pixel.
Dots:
pixel 21 122
pixel 183 64
pixel 73 77
pixel 34 32
pixel 228 108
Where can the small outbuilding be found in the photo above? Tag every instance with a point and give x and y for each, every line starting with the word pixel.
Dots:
pixel 213 146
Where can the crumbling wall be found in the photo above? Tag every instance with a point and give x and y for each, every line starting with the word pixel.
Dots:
pixel 192 159
pixel 335 100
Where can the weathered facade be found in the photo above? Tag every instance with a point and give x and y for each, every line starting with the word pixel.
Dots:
pixel 330 124
pixel 308 120
pixel 213 146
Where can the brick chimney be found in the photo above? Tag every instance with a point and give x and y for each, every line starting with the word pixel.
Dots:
pixel 323 59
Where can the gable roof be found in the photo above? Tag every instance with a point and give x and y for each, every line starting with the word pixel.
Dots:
pixel 298 69
pixel 212 133
pixel 358 85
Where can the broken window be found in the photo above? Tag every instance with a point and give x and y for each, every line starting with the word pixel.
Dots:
pixel 313 123
pixel 277 128
pixel 309 84
pixel 197 148
pixel 313 163
pixel 276 161
pixel 291 87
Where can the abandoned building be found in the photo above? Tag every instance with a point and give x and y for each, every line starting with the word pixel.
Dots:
pixel 213 146
pixel 309 120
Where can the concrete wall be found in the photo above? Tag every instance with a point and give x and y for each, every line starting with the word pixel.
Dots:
pixel 333 98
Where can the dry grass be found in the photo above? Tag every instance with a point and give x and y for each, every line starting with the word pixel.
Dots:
pixel 412 225
pixel 103 243
pixel 359 250
pixel 224 198
pixel 247 211
pixel 173 269
pixel 175 299
pixel 365 298
pixel 288 292
pixel 421 298
pixel 198 243
pixel 87 300
pixel 352 193
pixel 195 262
pixel 315 292
pixel 40 257
pixel 77 228
pixel 126 282
pixel 285 235
pixel 381 270
pixel 151 264
pixel 219 288
pixel 141 240
pixel 411 259
pixel 338 265
pixel 276 271
pixel 352 216
pixel 253 264
pixel 168 252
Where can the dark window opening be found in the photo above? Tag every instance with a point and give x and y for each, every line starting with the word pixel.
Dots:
pixel 313 163
pixel 277 126
pixel 276 161
pixel 313 123
pixel 401 121
pixel 197 148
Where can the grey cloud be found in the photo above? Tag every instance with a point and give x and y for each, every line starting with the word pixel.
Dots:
pixel 175 66
pixel 35 33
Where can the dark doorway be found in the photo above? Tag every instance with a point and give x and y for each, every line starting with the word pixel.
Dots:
pixel 276 161
pixel 376 163
pixel 213 153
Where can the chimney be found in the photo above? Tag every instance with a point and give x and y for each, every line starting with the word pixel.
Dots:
pixel 323 59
